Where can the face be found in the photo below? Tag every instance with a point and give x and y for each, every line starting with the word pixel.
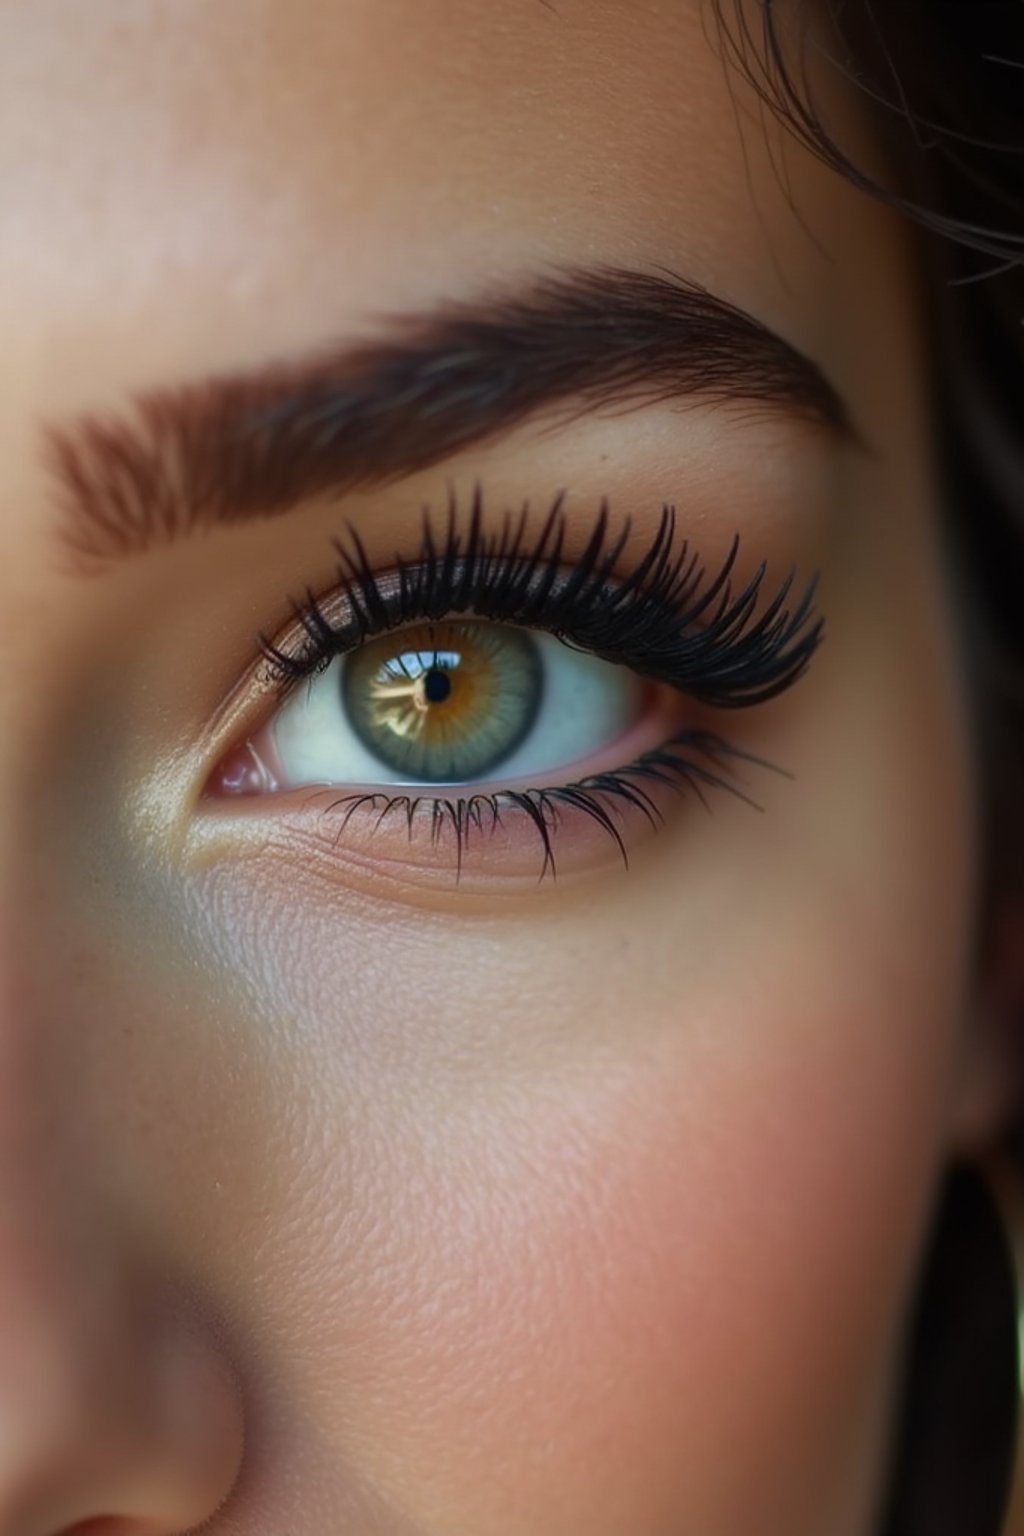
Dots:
pixel 452 1081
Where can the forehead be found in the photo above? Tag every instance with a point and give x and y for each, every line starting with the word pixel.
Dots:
pixel 193 167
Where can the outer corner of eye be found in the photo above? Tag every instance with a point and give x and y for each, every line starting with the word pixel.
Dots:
pixel 246 769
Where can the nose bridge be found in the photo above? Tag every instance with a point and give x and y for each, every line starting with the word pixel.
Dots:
pixel 68 1342
pixel 36 1200
pixel 59 1294
pixel 47 1225
pixel 116 1403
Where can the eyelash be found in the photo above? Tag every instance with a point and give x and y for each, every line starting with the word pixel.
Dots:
pixel 667 621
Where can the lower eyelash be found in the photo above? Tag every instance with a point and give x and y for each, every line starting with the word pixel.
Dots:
pixel 677 765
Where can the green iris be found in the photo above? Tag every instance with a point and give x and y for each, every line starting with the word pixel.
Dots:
pixel 444 703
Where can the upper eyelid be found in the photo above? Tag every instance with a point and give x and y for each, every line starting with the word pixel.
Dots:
pixel 542 568
pixel 666 618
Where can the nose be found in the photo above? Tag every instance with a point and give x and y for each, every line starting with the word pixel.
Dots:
pixel 119 1412
pixel 116 1418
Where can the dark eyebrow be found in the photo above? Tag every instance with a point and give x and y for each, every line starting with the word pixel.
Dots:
pixel 252 445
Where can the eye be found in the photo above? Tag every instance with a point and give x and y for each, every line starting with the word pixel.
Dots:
pixel 456 703
pixel 493 684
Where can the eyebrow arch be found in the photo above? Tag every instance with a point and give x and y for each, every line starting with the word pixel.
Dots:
pixel 232 448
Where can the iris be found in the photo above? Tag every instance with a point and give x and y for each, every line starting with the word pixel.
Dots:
pixel 445 702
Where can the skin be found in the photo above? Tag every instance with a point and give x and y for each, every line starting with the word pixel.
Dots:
pixel 335 1196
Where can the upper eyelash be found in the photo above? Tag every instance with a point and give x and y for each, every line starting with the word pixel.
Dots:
pixel 667 620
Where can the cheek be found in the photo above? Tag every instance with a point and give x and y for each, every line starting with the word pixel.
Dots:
pixel 624 1272
pixel 543 1236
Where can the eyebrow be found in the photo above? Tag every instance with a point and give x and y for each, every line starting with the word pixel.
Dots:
pixel 252 445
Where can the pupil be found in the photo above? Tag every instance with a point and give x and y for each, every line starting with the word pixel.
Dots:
pixel 437 686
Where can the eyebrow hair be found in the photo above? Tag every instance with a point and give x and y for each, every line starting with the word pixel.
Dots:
pixel 253 445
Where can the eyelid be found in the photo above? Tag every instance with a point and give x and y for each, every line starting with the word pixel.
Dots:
pixel 714 639
pixel 667 619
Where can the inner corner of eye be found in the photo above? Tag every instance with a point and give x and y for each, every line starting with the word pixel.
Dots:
pixel 248 768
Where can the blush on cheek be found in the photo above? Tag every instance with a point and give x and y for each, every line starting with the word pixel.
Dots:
pixel 555 1251
pixel 620 1277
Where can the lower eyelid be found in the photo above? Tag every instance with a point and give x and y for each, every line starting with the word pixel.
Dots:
pixel 494 841
pixel 429 843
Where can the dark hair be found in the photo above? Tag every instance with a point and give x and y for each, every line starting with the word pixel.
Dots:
pixel 944 83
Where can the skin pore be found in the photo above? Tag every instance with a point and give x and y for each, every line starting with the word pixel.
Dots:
pixel 337 1194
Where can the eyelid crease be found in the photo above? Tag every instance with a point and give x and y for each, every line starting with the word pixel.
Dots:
pixel 667 620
